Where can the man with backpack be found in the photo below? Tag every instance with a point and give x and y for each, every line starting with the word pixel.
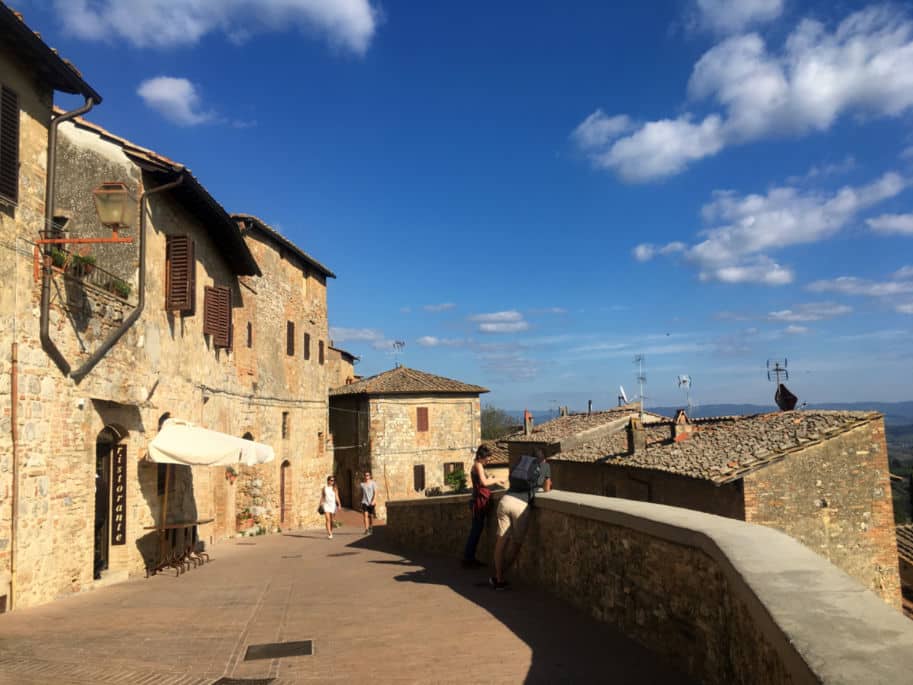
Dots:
pixel 529 475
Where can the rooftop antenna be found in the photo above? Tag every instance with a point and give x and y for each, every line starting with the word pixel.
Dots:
pixel 641 361
pixel 778 371
pixel 622 396
pixel 684 383
pixel 398 346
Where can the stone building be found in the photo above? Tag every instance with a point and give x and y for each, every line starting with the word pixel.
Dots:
pixel 205 317
pixel 342 366
pixel 819 476
pixel 408 427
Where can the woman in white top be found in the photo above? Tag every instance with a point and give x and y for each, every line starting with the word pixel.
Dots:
pixel 329 501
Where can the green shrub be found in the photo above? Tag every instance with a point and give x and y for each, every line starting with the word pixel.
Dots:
pixel 456 480
pixel 58 257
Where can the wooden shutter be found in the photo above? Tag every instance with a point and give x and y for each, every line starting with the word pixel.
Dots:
pixel 180 274
pixel 320 351
pixel 418 477
pixel 9 144
pixel 421 415
pixel 307 345
pixel 217 315
pixel 290 338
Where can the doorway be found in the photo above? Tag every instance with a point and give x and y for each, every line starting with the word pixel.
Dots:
pixel 285 493
pixel 104 446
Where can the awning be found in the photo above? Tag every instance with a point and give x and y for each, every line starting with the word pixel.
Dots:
pixel 181 442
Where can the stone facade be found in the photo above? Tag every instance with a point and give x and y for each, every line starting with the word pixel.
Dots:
pixel 164 366
pixel 342 366
pixel 380 434
pixel 725 601
pixel 833 495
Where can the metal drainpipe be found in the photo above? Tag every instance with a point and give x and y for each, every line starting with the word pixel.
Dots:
pixel 96 357
pixel 14 495
pixel 49 200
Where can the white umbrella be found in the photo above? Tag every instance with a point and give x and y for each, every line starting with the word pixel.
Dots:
pixel 181 442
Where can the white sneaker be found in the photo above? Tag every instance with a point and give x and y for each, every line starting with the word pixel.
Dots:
pixel 330 536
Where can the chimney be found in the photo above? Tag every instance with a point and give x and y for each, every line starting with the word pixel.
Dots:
pixel 527 422
pixel 589 407
pixel 562 411
pixel 637 438
pixel 681 426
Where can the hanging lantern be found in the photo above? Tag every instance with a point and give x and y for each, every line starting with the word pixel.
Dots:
pixel 112 201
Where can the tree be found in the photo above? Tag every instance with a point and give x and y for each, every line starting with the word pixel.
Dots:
pixel 496 423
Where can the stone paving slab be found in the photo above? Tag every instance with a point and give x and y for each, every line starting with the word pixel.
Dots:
pixel 374 616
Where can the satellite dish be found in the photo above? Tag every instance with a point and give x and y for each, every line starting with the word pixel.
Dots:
pixel 622 395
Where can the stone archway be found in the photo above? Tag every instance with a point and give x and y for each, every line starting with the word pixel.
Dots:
pixel 285 493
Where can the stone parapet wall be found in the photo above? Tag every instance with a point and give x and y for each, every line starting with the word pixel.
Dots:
pixel 727 601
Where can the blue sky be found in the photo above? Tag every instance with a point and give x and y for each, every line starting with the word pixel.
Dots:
pixel 529 194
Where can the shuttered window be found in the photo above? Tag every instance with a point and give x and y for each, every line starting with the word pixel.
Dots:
pixel 180 274
pixel 217 315
pixel 418 477
pixel 421 419
pixel 320 351
pixel 290 338
pixel 250 334
pixel 9 144
pixel 307 345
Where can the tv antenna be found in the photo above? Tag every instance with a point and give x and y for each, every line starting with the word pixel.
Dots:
pixel 398 346
pixel 622 396
pixel 778 371
pixel 641 361
pixel 684 384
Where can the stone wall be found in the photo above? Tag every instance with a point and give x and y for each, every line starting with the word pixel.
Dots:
pixel 649 486
pixel 396 446
pixel 726 601
pixel 163 366
pixel 835 497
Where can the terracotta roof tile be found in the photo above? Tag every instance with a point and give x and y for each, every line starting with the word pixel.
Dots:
pixel 257 224
pixel 406 381
pixel 723 450
pixel 905 542
pixel 565 426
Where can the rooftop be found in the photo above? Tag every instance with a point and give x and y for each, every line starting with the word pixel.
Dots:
pixel 905 542
pixel 59 73
pixel 572 424
pixel 406 381
pixel 724 449
pixel 254 223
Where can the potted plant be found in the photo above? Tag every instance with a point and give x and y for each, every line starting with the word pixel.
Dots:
pixel 231 473
pixel 58 257
pixel 245 519
pixel 122 289
pixel 83 265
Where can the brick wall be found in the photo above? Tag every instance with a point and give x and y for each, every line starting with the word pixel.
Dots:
pixel 835 497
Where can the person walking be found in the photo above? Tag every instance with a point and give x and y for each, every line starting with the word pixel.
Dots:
pixel 531 473
pixel 329 502
pixel 368 494
pixel 481 497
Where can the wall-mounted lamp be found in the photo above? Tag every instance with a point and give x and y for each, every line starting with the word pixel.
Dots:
pixel 112 200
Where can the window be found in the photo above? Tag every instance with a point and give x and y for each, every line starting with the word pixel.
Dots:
pixel 217 315
pixel 418 477
pixel 321 443
pixel 285 426
pixel 452 467
pixel 9 144
pixel 180 274
pixel 307 345
pixel 250 334
pixel 421 419
pixel 290 338
pixel 320 351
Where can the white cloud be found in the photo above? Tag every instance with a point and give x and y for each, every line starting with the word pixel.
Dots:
pixel 355 334
pixel 509 315
pixel 865 65
pixel 901 224
pixel 750 226
pixel 599 129
pixel 507 361
pixel 504 327
pixel 548 310
pixel 647 251
pixel 349 24
pixel 432 341
pixel 176 99
pixel 813 311
pixel 796 330
pixel 442 307
pixel 822 170
pixel 898 283
pixel 731 16
pixel 905 308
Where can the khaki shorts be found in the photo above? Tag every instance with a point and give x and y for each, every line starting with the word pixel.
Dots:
pixel 513 517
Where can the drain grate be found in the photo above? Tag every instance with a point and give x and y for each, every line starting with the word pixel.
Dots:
pixel 243 681
pixel 291 556
pixel 249 544
pixel 279 650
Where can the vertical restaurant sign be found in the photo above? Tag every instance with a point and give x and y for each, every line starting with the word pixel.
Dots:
pixel 119 497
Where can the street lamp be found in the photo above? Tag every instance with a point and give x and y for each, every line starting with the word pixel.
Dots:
pixel 111 203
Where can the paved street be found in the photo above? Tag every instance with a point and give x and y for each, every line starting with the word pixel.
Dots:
pixel 373 615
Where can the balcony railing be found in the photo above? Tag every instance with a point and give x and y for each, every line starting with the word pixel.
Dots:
pixel 85 271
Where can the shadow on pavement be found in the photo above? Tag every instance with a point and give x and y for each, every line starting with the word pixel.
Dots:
pixel 567 645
